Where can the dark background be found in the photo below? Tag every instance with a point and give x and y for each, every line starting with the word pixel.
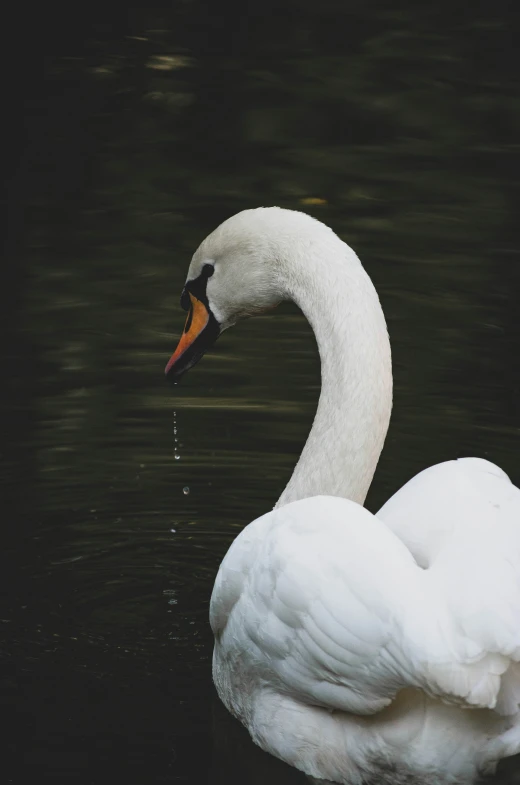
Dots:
pixel 128 137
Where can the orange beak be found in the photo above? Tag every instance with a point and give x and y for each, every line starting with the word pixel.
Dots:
pixel 200 331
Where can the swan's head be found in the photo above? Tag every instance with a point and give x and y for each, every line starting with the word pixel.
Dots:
pixel 233 274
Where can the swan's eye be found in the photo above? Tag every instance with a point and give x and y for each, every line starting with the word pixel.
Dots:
pixel 207 271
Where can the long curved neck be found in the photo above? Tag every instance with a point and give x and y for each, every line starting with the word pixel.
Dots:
pixel 329 284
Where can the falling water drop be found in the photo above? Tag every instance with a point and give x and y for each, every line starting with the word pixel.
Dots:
pixel 186 490
pixel 176 453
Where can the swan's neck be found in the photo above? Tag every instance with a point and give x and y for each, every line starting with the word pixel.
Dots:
pixel 338 298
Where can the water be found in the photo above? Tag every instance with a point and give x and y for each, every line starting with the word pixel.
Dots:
pixel 399 129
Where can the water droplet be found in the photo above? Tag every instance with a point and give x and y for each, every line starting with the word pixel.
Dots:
pixel 186 490
pixel 175 439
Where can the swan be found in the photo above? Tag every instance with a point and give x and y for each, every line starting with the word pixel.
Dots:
pixel 358 648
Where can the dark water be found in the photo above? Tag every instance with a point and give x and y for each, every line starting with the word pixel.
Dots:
pixel 135 137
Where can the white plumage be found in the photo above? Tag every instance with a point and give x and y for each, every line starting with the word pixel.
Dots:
pixel 362 648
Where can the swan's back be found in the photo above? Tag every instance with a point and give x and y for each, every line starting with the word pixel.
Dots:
pixel 468 497
pixel 461 521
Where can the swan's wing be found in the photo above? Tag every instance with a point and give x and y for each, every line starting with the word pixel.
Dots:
pixel 309 597
pixel 320 600
pixel 461 521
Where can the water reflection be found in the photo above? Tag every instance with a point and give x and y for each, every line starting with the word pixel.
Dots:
pixel 398 128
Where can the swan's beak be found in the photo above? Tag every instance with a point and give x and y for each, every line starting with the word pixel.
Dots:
pixel 200 332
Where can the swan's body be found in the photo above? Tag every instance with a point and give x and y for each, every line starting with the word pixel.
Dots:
pixel 356 647
pixel 345 658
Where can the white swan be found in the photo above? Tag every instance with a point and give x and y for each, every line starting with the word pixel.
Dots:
pixel 357 648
